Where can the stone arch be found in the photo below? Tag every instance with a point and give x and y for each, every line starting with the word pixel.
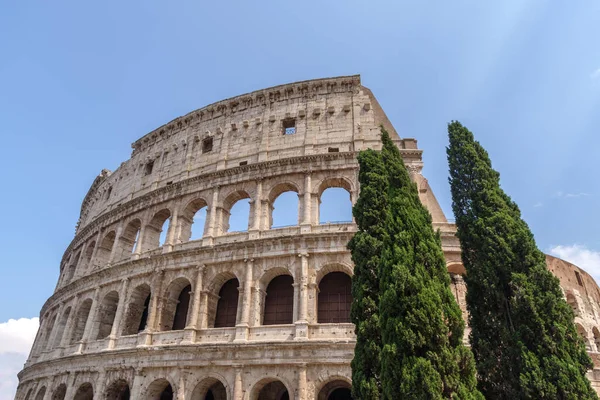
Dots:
pixel 29 393
pixel 270 388
pixel 160 389
pixel 81 320
pixel 156 229
pixel 330 184
pixel 278 304
pixel 456 268
pixel 106 317
pixel 60 392
pixel 137 310
pixel 212 387
pixel 226 311
pixel 279 189
pixel 87 255
pixel 128 239
pixel 187 221
pixel 335 298
pixel 62 323
pixel 596 333
pixel 41 393
pixel 333 267
pixel 213 290
pixel 105 249
pixel 84 392
pixel 46 345
pixel 581 331
pixel 230 201
pixel 335 388
pixel 174 315
pixel 118 390
pixel 72 267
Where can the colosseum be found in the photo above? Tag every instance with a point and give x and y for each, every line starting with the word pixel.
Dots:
pixel 152 305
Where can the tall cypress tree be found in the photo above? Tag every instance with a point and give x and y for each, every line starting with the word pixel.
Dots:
pixel 421 326
pixel 522 333
pixel 370 213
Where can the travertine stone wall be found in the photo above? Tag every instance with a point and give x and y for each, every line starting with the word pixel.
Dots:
pixel 134 316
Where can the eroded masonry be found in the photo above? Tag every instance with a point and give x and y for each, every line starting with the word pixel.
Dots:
pixel 150 306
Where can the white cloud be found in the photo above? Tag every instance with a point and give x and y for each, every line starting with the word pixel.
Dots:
pixel 538 204
pixel 16 339
pixel 596 74
pixel 570 195
pixel 581 256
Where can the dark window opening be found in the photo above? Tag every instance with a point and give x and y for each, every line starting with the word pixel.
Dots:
pixel 207 145
pixel 149 167
pixel 144 318
pixel 167 394
pixel 108 192
pixel 335 298
pixel 334 149
pixel 228 304
pixel 243 163
pixel 169 183
pixel 578 276
pixel 279 303
pixel 289 126
pixel 181 312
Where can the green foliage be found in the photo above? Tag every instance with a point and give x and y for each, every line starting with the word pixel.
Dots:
pixel 370 214
pixel 522 332
pixel 418 326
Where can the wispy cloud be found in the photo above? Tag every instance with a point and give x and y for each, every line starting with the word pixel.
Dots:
pixel 581 256
pixel 16 338
pixel 570 195
pixel 595 75
pixel 538 204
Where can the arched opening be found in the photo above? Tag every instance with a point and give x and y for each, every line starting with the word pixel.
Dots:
pixel 596 333
pixel 137 311
pixel 60 392
pixel 129 239
pixel 209 389
pixel 160 389
pixel 176 306
pixel 236 212
pixel 156 230
pixel 335 298
pixel 72 267
pixel 81 320
pixel 118 390
pixel 62 323
pixel 284 210
pixel 108 310
pixel 573 303
pixel 193 221
pixel 335 206
pixel 85 392
pixel 227 304
pixel 583 333
pixel 105 248
pixel 87 255
pixel 46 345
pixel 279 301
pixel 335 390
pixel 269 389
pixel 41 393
pixel 28 395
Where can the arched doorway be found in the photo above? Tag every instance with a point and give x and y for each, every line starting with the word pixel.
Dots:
pixel 209 389
pixel 85 392
pixel 60 392
pixel 160 389
pixel 335 390
pixel 335 298
pixel 118 390
pixel 269 389
pixel 227 304
pixel 279 301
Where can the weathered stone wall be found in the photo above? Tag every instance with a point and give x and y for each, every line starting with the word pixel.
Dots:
pixel 133 314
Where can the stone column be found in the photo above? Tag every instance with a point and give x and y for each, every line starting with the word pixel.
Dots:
pixel 113 251
pixel 136 385
pixel 170 242
pixel 307 197
pixel 116 326
pixel 52 337
pixel 100 385
pixel 151 324
pixel 238 388
pixel 66 339
pixel 90 266
pixel 181 386
pixel 302 322
pixel 257 217
pixel 302 395
pixel 140 243
pixel 203 309
pixel 192 326
pixel 49 390
pixel 242 328
pixel 91 321
pixel 212 215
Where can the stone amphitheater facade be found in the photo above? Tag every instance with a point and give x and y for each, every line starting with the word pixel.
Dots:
pixel 258 314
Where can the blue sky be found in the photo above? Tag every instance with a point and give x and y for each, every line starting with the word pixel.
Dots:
pixel 80 81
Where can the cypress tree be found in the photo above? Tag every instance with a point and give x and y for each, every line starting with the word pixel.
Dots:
pixel 370 213
pixel 421 326
pixel 522 333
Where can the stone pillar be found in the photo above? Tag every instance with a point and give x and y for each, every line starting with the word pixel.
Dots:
pixel 90 266
pixel 151 324
pixel 212 217
pixel 192 325
pixel 116 327
pixel 238 388
pixel 302 322
pixel 91 321
pixel 257 217
pixel 140 243
pixel 113 251
pixel 136 385
pixel 66 339
pixel 170 242
pixel 302 394
pixel 49 390
pixel 306 208
pixel 204 309
pixel 52 337
pixel 100 385
pixel 242 330
pixel 181 386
